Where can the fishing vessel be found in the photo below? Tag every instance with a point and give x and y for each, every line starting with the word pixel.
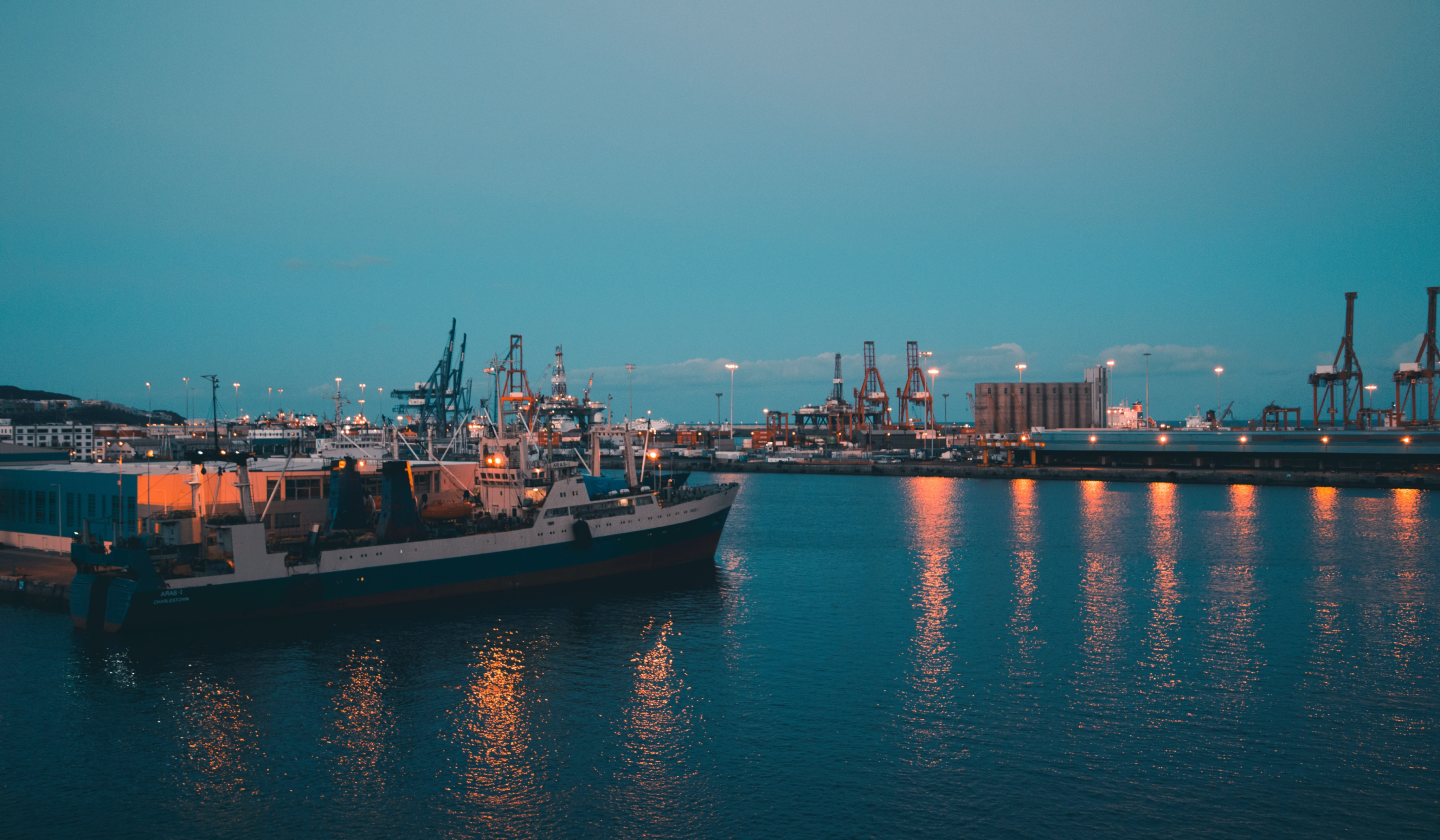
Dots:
pixel 521 526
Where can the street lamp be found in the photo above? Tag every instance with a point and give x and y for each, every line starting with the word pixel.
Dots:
pixel 631 370
pixel 732 367
pixel 1147 389
pixel 149 404
pixel 237 400
pixel 1371 388
pixel 1021 368
pixel 1109 372
pixel 934 372
pixel 187 399
pixel 947 407
pixel 1218 371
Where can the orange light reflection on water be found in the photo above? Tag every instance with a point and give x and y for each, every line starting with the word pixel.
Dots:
pixel 1164 625
pixel 657 787
pixel 1023 560
pixel 221 740
pixel 932 511
pixel 492 730
pixel 1102 596
pixel 361 723
pixel 1232 654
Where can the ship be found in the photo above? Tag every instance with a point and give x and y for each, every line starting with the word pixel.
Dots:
pixel 524 524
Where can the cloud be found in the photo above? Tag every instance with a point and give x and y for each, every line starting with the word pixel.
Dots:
pixel 985 363
pixel 362 261
pixel 1164 358
pixel 982 362
pixel 296 264
pixel 1407 351
pixel 698 371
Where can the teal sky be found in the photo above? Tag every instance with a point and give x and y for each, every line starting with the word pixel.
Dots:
pixel 282 194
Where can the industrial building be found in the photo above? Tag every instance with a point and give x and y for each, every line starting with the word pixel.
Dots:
pixel 1015 407
pixel 79 439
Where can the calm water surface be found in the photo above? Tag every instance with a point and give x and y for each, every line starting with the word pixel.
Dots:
pixel 869 657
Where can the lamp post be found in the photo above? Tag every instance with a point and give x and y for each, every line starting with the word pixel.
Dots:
pixel 187 399
pixel 947 407
pixel 237 400
pixel 1109 372
pixel 1147 389
pixel 732 399
pixel 630 369
pixel 149 404
pixel 1371 388
pixel 1218 371
pixel 934 372
pixel 1021 368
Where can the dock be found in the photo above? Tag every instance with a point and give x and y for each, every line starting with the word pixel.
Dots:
pixel 36 578
pixel 1178 475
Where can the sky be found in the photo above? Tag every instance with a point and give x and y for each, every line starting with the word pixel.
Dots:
pixel 280 194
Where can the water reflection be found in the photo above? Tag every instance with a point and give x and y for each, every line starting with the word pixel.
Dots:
pixel 657 786
pixel 1162 632
pixel 931 503
pixel 1024 634
pixel 219 738
pixel 1103 614
pixel 498 785
pixel 1232 651
pixel 360 725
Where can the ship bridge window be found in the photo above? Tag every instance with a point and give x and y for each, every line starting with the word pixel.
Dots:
pixel 556 512
pixel 645 500
pixel 283 520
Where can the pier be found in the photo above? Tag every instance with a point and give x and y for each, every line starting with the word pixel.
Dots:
pixel 37 578
pixel 1195 475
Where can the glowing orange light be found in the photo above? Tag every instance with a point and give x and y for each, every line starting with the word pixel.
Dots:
pixel 1092 438
pixel 1163 439
pixel 1405 440
pixel 1324 440
pixel 1244 439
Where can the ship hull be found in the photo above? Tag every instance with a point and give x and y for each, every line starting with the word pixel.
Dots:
pixel 123 605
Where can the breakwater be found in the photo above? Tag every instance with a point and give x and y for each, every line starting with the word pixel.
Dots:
pixel 1199 475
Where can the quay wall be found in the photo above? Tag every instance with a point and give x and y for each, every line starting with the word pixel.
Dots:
pixel 1200 475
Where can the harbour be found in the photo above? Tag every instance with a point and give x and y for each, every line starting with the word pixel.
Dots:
pixel 1162 656
pixel 676 422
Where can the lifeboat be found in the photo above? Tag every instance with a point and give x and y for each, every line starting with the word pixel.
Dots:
pixel 439 512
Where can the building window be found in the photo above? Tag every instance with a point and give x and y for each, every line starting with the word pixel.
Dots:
pixel 70 508
pixel 302 488
pixel 91 508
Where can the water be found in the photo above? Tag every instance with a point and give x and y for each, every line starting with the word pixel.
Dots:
pixel 870 657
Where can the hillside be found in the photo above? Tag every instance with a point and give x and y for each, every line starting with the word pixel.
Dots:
pixel 10 392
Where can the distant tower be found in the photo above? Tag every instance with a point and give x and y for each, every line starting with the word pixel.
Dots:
pixel 837 393
pixel 557 382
